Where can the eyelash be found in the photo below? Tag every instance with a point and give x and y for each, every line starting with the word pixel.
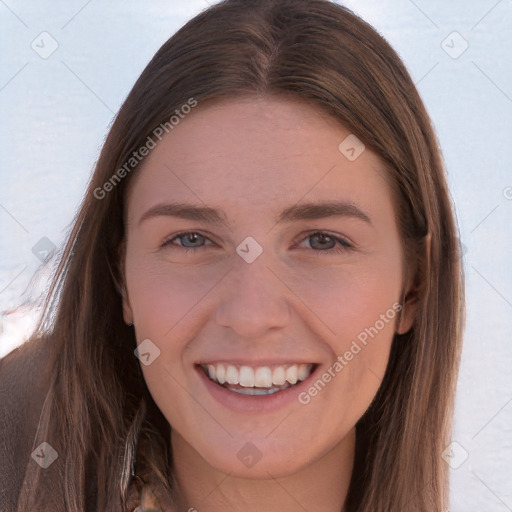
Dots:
pixel 343 246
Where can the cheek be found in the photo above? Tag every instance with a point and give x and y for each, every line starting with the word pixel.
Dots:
pixel 350 300
pixel 162 296
pixel 166 305
pixel 360 306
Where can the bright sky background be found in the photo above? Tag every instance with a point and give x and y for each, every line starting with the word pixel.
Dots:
pixel 55 113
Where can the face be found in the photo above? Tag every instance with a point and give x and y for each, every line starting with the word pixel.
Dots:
pixel 269 313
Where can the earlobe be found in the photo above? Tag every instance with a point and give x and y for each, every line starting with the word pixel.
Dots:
pixel 121 286
pixel 407 314
pixel 127 310
pixel 415 288
pixel 409 306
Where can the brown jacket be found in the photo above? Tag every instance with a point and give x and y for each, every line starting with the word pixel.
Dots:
pixel 24 380
pixel 25 375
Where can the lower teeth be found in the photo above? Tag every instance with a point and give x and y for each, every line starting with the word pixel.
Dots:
pixel 255 391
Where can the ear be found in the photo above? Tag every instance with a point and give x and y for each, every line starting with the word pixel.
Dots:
pixel 127 309
pixel 412 291
pixel 408 313
pixel 121 285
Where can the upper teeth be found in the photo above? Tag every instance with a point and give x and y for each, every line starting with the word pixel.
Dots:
pixel 259 376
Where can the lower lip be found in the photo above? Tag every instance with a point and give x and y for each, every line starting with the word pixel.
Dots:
pixel 254 403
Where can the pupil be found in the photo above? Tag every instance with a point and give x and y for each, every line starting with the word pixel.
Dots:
pixel 322 238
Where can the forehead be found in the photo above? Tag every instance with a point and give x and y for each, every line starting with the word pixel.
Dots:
pixel 257 153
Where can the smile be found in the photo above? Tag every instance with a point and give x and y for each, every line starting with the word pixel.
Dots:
pixel 257 380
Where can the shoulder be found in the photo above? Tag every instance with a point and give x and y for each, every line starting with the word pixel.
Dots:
pixel 25 357
pixel 24 381
pixel 24 373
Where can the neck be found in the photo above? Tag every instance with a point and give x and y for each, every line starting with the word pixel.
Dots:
pixel 321 485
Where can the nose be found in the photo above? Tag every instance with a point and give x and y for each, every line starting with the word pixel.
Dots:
pixel 254 300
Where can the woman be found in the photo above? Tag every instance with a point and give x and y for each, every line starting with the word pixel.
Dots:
pixel 196 356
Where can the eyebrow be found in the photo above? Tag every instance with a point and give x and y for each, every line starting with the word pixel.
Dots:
pixel 303 211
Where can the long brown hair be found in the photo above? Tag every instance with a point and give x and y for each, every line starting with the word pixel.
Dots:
pixel 98 413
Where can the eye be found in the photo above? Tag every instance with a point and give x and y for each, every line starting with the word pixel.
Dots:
pixel 189 237
pixel 191 241
pixel 322 241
